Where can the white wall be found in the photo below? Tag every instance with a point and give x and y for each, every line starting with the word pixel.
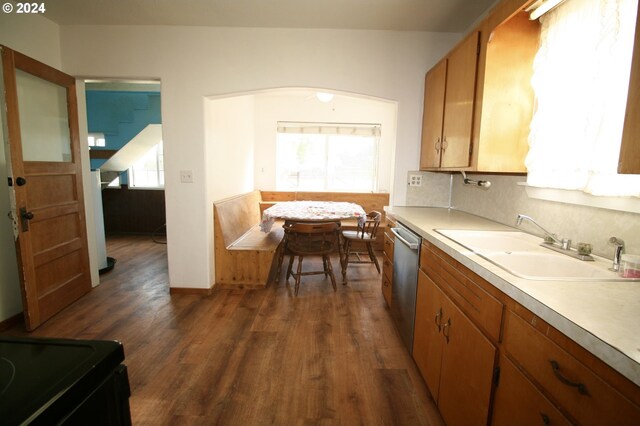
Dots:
pixel 302 106
pixel 229 155
pixel 39 38
pixel 196 62
pixel 32 35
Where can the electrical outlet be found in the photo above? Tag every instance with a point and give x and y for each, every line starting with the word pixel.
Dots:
pixel 186 176
pixel 415 180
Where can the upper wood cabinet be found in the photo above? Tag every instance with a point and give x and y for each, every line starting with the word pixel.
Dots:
pixel 434 85
pixel 504 97
pixel 448 107
pixel 629 162
pixel 483 123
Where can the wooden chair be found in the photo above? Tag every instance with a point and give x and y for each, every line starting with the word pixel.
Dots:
pixel 365 234
pixel 305 239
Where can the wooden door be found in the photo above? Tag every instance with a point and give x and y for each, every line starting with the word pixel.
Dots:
pixel 46 180
pixel 468 362
pixel 427 337
pixel 432 116
pixel 459 103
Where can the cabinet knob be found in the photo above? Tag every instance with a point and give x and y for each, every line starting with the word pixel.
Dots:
pixel 438 320
pixel 545 419
pixel 445 330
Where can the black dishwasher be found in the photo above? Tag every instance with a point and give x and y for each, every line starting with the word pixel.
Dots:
pixel 61 381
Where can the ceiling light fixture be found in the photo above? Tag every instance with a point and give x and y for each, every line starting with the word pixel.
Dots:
pixel 324 97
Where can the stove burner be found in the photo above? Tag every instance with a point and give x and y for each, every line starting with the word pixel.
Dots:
pixel 7 374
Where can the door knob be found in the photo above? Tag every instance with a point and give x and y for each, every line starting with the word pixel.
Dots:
pixel 25 217
pixel 20 181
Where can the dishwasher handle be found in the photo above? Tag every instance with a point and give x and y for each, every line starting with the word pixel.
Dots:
pixel 411 245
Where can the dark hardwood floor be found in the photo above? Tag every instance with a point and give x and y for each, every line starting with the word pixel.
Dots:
pixel 250 357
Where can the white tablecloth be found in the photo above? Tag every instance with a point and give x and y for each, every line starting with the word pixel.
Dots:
pixel 311 210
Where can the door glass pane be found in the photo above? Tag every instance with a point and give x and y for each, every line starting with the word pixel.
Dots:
pixel 44 119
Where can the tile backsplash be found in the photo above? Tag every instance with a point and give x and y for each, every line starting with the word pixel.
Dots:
pixel 505 199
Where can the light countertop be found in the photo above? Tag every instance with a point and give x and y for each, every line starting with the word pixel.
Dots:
pixel 602 317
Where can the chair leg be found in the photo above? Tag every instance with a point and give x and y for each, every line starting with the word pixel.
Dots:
pixel 298 275
pixel 373 256
pixel 340 249
pixel 324 266
pixel 290 267
pixel 345 264
pixel 283 246
pixel 330 268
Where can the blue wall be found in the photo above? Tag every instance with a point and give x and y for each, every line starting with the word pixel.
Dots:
pixel 120 116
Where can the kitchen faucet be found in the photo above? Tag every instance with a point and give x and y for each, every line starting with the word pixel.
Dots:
pixel 564 243
pixel 619 249
pixel 553 242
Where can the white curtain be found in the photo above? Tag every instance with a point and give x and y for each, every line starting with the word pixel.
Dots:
pixel 581 80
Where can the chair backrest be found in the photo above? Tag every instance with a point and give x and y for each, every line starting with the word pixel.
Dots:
pixel 313 228
pixel 307 232
pixel 370 227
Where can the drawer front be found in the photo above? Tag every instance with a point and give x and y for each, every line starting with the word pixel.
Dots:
pixel 579 391
pixel 387 229
pixel 519 402
pixel 388 246
pixel 387 267
pixel 454 278
pixel 386 289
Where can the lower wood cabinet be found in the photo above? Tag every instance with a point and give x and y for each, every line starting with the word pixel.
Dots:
pixel 519 402
pixel 486 359
pixel 387 261
pixel 578 391
pixel 455 358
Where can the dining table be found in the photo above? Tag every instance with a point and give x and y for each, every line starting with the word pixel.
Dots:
pixel 311 211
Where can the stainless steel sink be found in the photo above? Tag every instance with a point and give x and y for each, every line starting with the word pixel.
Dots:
pixel 522 255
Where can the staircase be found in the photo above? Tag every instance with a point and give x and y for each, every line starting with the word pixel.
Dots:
pixel 131 123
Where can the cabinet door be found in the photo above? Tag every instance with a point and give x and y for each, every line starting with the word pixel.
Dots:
pixel 629 162
pixel 519 402
pixel 468 362
pixel 427 340
pixel 434 88
pixel 386 287
pixel 459 103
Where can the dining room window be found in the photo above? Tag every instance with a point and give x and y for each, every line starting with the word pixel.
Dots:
pixel 327 156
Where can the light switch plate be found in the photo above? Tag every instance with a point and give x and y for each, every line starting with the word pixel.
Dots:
pixel 186 176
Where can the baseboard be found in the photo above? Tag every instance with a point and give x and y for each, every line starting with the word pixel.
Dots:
pixel 241 286
pixel 186 290
pixel 11 322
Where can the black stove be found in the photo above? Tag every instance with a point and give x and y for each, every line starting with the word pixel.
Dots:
pixel 61 381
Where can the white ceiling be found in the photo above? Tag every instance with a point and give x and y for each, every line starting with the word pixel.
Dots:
pixel 404 15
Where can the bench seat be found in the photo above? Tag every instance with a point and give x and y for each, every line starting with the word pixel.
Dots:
pixel 255 239
pixel 243 253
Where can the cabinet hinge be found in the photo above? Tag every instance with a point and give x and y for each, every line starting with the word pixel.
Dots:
pixel 496 376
